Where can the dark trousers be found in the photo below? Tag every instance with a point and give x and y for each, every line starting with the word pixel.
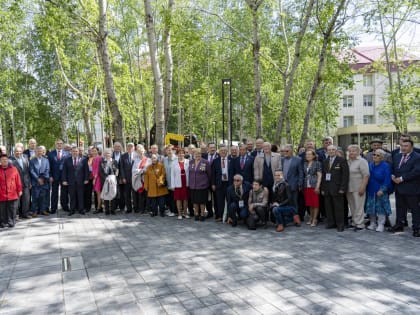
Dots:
pixel 40 199
pixel 334 208
pixel 121 199
pixel 322 212
pixel 157 203
pixel 260 215
pixel 170 202
pixel 220 200
pixel 129 196
pixel 294 198
pixel 235 212
pixel 110 206
pixel 64 200
pixel 25 202
pixel 87 196
pixel 302 209
pixel 76 193
pixel 8 212
pixel 405 202
pixel 139 201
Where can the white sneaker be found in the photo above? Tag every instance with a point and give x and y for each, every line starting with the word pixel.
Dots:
pixel 187 216
pixel 180 217
pixel 371 227
pixel 380 228
pixel 168 213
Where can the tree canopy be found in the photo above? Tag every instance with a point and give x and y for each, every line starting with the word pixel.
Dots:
pixel 158 66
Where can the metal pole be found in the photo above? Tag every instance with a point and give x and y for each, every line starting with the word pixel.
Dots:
pixel 223 111
pixel 230 111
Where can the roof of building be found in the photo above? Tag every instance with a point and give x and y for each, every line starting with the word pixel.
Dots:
pixel 361 57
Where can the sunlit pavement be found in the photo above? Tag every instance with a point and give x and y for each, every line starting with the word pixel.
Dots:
pixel 133 264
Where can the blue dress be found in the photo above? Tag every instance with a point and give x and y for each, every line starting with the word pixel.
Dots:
pixel 379 179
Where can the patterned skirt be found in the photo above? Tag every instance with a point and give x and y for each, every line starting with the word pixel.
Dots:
pixel 378 205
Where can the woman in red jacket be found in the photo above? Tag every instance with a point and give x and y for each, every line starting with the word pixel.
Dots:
pixel 10 191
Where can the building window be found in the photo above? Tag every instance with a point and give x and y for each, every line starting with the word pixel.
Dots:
pixel 347 121
pixel 368 119
pixel 368 80
pixel 347 101
pixel 368 100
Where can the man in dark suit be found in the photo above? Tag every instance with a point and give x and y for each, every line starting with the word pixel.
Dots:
pixel 126 165
pixel 323 152
pixel 56 158
pixel 22 164
pixel 244 165
pixel 222 177
pixel 39 168
pixel 75 175
pixel 396 156
pixel 406 177
pixel 237 196
pixel 116 155
pixel 210 156
pixel 335 178
pixel 293 174
pixel 30 152
pixel 259 150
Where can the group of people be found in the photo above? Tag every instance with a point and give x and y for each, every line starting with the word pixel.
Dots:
pixel 250 184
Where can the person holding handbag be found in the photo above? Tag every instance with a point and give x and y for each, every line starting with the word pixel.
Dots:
pixel 140 164
pixel 107 168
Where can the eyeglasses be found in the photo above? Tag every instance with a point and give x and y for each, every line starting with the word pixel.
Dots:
pixel 376 154
pixel 236 180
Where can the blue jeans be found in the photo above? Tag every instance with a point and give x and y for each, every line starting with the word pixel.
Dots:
pixel 284 214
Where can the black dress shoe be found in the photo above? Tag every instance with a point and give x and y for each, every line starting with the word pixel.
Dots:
pixel 82 212
pixel 70 213
pixel 196 218
pixel 97 211
pixel 358 229
pixel 152 214
pixel 53 211
pixel 396 229
pixel 331 226
pixel 416 233
pixel 128 211
pixel 340 229
pixel 202 218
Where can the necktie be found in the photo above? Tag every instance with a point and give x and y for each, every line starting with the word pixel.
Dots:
pixel 223 163
pixel 211 159
pixel 59 155
pixel 74 162
pixel 242 162
pixel 238 191
pixel 129 158
pixel 403 160
pixel 331 161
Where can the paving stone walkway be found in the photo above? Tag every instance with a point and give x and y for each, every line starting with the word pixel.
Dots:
pixel 132 264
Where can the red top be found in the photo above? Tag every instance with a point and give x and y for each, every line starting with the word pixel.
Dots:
pixel 10 184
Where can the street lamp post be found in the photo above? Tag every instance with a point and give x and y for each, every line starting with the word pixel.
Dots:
pixel 227 82
pixel 214 133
